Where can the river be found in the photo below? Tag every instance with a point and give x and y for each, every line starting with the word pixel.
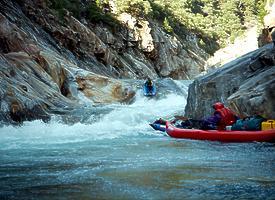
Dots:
pixel 117 155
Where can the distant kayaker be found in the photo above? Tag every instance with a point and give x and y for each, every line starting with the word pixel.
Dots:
pixel 149 84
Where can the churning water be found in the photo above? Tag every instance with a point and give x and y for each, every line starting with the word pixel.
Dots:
pixel 118 156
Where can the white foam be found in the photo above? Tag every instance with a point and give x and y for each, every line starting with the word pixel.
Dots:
pixel 123 120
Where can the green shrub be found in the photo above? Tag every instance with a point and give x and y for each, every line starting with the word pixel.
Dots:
pixel 137 8
pixel 166 25
pixel 71 5
pixel 92 11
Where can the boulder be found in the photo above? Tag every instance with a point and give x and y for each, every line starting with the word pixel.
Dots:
pixel 246 85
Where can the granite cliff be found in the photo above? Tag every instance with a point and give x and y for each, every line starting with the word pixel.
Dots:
pixel 246 85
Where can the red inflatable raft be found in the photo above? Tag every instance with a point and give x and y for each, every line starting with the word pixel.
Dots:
pixel 223 136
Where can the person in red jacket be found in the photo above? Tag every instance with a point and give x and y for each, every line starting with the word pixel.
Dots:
pixel 221 118
pixel 225 116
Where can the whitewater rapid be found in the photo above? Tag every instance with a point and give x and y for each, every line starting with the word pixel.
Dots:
pixel 122 120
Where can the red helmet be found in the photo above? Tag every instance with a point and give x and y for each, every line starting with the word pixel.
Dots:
pixel 218 105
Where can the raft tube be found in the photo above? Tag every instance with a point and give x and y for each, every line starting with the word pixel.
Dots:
pixel 221 135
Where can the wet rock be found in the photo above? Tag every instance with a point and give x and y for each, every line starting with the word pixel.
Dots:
pixel 27 94
pixel 103 90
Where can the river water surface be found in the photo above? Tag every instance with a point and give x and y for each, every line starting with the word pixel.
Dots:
pixel 119 156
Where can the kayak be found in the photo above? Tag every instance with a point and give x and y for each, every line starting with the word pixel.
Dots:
pixel 158 127
pixel 149 92
pixel 221 135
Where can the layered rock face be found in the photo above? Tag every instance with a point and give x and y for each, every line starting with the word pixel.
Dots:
pixel 50 65
pixel 39 78
pixel 246 85
pixel 134 49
